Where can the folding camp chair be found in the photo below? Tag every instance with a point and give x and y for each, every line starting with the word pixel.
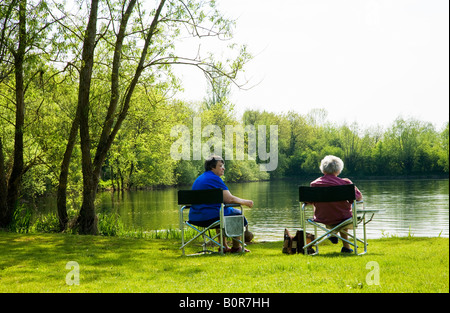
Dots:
pixel 332 194
pixel 230 226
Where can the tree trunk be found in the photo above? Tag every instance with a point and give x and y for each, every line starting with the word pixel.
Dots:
pixel 112 177
pixel 3 190
pixel 15 178
pixel 86 220
pixel 61 197
pixel 119 179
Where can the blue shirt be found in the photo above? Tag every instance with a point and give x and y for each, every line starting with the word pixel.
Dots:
pixel 204 212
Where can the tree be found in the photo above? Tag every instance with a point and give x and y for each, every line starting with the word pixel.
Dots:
pixel 218 92
pixel 87 220
pixel 23 38
pixel 444 149
pixel 350 145
pixel 156 53
pixel 138 157
pixel 18 54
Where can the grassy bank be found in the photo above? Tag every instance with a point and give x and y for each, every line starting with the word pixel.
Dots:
pixel 37 263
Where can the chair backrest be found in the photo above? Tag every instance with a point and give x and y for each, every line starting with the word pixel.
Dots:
pixel 327 194
pixel 205 196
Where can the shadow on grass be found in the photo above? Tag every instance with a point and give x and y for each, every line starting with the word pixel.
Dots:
pixel 35 249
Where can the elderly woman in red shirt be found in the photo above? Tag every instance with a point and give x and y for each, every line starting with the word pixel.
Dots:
pixel 333 213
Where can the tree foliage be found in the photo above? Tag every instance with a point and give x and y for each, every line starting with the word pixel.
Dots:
pixel 108 49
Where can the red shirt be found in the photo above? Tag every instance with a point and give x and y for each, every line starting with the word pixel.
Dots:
pixel 331 213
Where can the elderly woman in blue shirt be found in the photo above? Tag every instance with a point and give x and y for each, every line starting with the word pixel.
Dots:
pixel 206 214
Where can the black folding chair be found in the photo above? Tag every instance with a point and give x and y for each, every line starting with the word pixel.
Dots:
pixel 309 195
pixel 230 226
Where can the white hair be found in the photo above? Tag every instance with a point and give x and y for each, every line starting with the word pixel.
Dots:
pixel 331 165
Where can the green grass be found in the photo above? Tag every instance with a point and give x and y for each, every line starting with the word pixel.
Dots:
pixel 37 263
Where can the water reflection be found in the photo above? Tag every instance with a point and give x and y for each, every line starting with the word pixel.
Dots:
pixel 416 207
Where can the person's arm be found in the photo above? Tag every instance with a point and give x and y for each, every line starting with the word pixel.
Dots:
pixel 229 198
pixel 358 193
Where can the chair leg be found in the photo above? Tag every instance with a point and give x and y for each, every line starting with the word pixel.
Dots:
pixel 365 235
pixel 182 238
pixel 315 236
pixel 206 238
pixel 353 242
pixel 241 242
pixel 182 241
pixel 305 250
pixel 221 240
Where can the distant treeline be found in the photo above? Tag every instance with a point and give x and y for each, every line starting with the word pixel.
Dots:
pixel 140 155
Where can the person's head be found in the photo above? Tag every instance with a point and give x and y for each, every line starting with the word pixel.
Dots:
pixel 331 165
pixel 215 164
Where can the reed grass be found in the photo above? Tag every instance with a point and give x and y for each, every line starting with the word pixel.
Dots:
pixel 109 224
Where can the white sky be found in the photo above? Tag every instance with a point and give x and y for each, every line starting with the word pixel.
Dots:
pixel 368 61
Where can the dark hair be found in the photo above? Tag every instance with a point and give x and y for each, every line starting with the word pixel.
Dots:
pixel 211 162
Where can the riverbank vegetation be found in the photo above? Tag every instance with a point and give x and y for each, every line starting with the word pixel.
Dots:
pixel 40 263
pixel 56 136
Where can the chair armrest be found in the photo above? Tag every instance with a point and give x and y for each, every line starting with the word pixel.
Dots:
pixel 232 205
pixel 182 209
pixel 305 204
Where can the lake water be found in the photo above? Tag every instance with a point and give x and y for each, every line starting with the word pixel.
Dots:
pixel 410 207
